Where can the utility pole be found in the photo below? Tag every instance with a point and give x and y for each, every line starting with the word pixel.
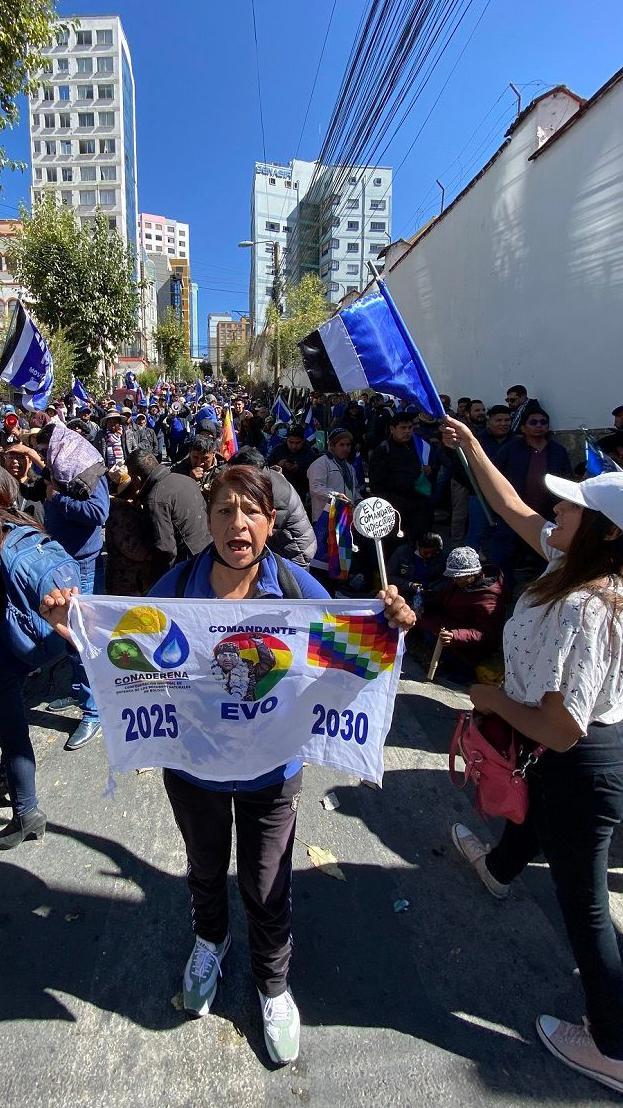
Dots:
pixel 277 299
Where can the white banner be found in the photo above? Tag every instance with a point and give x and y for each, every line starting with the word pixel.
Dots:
pixel 229 690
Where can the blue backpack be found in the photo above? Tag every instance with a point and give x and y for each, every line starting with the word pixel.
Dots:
pixel 32 564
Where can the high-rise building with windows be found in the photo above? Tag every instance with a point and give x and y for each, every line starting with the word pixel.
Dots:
pixel 83 124
pixel 159 235
pixel 327 220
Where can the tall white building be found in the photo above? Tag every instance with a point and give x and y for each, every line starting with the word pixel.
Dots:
pixel 327 220
pixel 83 124
pixel 159 235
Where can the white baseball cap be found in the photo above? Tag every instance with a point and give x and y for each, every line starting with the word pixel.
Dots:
pixel 603 493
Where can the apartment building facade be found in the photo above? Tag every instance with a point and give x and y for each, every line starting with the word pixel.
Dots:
pixel 159 235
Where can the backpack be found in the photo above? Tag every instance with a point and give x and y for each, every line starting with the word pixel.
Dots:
pixel 31 564
pixel 287 581
pixel 178 429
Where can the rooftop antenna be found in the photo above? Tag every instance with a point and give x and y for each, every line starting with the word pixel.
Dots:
pixel 517 94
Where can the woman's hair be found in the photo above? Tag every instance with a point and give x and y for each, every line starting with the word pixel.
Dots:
pixel 529 411
pixel 9 494
pixel 590 558
pixel 249 481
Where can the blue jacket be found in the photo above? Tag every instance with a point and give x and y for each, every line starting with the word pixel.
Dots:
pixel 198 585
pixel 77 524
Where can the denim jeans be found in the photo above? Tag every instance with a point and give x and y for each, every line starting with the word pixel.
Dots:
pixel 18 758
pixel 576 801
pixel 79 680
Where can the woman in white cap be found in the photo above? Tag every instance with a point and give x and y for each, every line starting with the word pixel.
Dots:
pixel 563 689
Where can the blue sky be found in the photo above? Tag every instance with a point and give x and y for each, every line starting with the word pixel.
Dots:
pixel 198 121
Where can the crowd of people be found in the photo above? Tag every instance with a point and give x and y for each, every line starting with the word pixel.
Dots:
pixel 218 493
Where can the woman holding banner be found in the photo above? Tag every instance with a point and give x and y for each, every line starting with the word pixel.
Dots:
pixel 563 689
pixel 238 565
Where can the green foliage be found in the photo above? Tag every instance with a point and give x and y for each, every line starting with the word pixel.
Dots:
pixel 64 355
pixel 306 308
pixel 26 26
pixel 149 377
pixel 171 340
pixel 82 281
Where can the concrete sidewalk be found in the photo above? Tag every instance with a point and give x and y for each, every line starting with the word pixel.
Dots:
pixel 434 1006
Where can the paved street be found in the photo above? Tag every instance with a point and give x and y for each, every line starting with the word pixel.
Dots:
pixel 434 1006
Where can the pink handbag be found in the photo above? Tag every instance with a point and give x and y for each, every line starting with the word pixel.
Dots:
pixel 497 768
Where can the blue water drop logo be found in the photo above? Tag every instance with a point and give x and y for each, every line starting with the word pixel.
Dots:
pixel 173 650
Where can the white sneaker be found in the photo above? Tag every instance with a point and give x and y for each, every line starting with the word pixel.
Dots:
pixel 574 1045
pixel 475 852
pixel 201 975
pixel 282 1026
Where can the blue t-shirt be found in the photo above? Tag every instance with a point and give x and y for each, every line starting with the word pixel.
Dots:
pixel 199 586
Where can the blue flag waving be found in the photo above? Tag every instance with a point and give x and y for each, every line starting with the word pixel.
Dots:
pixel 26 362
pixel 596 461
pixel 280 411
pixel 79 390
pixel 367 346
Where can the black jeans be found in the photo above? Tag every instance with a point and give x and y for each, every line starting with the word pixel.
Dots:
pixel 576 801
pixel 265 826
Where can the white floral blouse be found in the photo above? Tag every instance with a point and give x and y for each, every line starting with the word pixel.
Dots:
pixel 575 649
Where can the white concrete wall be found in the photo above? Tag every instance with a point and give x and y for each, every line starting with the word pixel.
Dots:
pixel 522 282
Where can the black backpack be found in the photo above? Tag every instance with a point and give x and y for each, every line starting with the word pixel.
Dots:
pixel 287 581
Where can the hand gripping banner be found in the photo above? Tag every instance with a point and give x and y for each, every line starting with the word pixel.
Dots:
pixel 228 690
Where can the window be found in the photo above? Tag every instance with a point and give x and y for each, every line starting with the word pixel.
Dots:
pixel 377 182
pixel 50 147
pixel 352 247
pixel 47 92
pixel 63 92
pixel 352 269
pixel 377 225
pixel 49 119
pixel 87 197
pixel 106 92
pixel 352 225
pixel 62 38
pixel 147 224
pixel 112 223
pixel 108 173
pixel 182 253
pixel 334 287
pixel 38 174
pixel 106 119
pixel 36 119
pixel 352 180
pixel 352 205
pixel 67 173
pixel 62 65
pixel 352 288
pixel 272 181
pixel 285 228
pixel 325 250
pixel 85 66
pixel 47 68
pixel 324 269
pixel 377 205
pixel 84 38
pixel 86 119
pixel 37 197
pixel 158 238
pixel 107 146
pixel 335 244
pixel 36 146
pixel 104 65
pixel 87 173
pixel 85 92
pixel 64 120
pixel 272 226
pixel 104 38
pixel 268 249
pixel 335 222
pixel 51 174
pixel 66 197
pixel 107 198
pixel 288 184
pixel 375 247
pixel 66 148
pixel 86 146
pixel 335 265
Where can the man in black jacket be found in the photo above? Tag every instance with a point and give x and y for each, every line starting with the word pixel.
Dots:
pixel 175 508
pixel 293 536
pixel 396 474
pixel 294 458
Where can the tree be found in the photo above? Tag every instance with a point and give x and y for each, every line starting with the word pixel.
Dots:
pixel 82 281
pixel 170 340
pixel 64 357
pixel 25 28
pixel 306 308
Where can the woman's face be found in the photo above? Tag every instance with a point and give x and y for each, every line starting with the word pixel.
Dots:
pixel 568 518
pixel 239 527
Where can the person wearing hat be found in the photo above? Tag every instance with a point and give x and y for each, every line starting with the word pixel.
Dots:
pixel 563 690
pixel 332 473
pixel 118 440
pixel 467 613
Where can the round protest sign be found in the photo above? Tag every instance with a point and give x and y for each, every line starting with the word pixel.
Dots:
pixel 374 518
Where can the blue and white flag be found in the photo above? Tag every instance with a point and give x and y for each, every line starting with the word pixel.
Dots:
pixel 310 430
pixel 367 346
pixel 596 461
pixel 423 449
pixel 79 390
pixel 280 411
pixel 26 362
pixel 198 391
pixel 140 396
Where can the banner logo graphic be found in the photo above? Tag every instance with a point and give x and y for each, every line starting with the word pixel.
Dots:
pixel 363 645
pixel 170 647
pixel 248 666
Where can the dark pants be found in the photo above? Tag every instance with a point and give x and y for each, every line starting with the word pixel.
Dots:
pixel 18 758
pixel 265 825
pixel 576 801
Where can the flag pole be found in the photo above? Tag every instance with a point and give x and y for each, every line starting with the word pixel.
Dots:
pixel 410 344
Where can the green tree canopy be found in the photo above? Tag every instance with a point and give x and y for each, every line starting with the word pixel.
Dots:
pixel 306 308
pixel 26 26
pixel 82 281
pixel 171 340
